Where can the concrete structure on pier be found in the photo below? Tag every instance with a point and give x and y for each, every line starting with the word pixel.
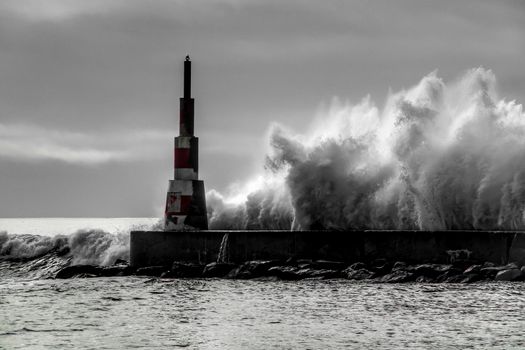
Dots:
pixel 150 248
pixel 186 198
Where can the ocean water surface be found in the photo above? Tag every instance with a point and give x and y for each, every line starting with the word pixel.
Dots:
pixel 39 312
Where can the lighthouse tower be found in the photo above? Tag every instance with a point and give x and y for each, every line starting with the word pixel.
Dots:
pixel 186 201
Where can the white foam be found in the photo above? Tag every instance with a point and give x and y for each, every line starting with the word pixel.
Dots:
pixel 436 156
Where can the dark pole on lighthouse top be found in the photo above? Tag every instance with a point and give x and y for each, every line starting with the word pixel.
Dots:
pixel 187 77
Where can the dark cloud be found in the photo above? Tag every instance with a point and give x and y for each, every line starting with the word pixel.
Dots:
pixel 110 69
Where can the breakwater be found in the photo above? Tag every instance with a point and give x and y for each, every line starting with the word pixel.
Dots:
pixel 162 248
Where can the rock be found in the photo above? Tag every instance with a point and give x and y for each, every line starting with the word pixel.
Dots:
pixel 381 270
pixel 454 279
pixel 358 266
pixel 425 279
pixel 430 270
pixel 78 271
pixel 508 275
pixel 253 269
pixel 166 274
pixel 316 273
pixel 120 262
pixel 217 269
pixel 185 270
pixel 488 264
pixel 300 261
pixel 329 265
pixel 359 274
pixel 491 272
pixel 284 272
pixel 452 275
pixel 512 265
pixel 471 278
pixel 267 279
pixel 118 270
pixel 398 276
pixel 399 265
pixel 472 269
pixel 293 261
pixel 153 271
pixel 86 275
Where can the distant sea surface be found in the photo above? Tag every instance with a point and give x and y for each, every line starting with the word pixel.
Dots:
pixel 39 312
pixel 65 226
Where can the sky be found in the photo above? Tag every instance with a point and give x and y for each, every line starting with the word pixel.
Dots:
pixel 89 89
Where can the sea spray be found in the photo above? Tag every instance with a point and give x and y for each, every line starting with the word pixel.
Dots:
pixel 222 256
pixel 84 246
pixel 436 156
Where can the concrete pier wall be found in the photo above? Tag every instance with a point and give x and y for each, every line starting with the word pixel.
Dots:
pixel 148 248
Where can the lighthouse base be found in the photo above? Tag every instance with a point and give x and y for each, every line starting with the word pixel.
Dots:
pixel 185 206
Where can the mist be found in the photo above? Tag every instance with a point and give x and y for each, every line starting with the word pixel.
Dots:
pixel 440 155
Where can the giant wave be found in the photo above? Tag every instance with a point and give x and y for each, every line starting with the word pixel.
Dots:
pixel 437 156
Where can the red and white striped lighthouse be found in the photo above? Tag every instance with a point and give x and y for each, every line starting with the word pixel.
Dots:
pixel 186 201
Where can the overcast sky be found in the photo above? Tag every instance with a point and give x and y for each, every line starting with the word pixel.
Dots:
pixel 89 89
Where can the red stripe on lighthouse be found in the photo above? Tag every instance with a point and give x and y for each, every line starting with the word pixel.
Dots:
pixel 182 158
pixel 183 205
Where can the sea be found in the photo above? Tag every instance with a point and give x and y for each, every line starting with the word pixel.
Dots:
pixel 40 312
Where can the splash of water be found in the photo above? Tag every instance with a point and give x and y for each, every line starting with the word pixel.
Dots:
pixel 222 257
pixel 436 156
pixel 82 247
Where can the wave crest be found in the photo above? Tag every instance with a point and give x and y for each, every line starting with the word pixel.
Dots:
pixel 94 247
pixel 437 156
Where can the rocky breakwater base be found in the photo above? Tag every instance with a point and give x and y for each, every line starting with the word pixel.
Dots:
pixel 378 256
pixel 460 270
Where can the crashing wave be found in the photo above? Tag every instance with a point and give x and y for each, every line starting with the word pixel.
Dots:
pixel 437 156
pixel 33 256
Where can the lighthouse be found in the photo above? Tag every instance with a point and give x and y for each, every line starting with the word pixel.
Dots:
pixel 186 201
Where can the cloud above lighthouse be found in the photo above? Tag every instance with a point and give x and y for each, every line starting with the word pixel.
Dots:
pixel 89 88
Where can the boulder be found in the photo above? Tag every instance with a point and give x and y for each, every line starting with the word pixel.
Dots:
pixel 79 271
pixel 121 262
pixel 153 271
pixel 452 275
pixel 491 272
pixel 293 261
pixel 284 272
pixel 359 274
pixel 399 265
pixel 381 270
pixel 357 266
pixel 511 274
pixel 86 275
pixel 472 269
pixel 398 276
pixel 329 265
pixel 299 261
pixel 454 279
pixel 216 269
pixel 430 270
pixel 512 265
pixel 252 269
pixel 425 279
pixel 118 270
pixel 471 277
pixel 317 273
